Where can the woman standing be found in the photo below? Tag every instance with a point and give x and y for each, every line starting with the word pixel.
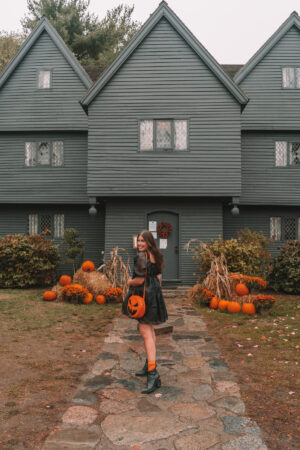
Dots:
pixel 149 262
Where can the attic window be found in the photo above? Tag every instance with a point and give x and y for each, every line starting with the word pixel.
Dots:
pixel 291 77
pixel 44 79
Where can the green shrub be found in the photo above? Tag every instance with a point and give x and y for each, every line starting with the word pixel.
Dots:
pixel 27 261
pixel 248 254
pixel 285 275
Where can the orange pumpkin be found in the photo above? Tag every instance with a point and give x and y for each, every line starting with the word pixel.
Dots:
pixel 49 296
pixel 233 307
pixel 88 298
pixel 214 302
pixel 241 289
pixel 64 280
pixel 88 266
pixel 136 306
pixel 248 308
pixel 100 299
pixel 223 305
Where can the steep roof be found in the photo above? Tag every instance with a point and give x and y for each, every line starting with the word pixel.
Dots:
pixel 45 25
pixel 292 20
pixel 163 10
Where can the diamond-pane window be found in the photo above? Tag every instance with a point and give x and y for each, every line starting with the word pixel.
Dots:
pixel 281 153
pixel 180 134
pixel 298 227
pixel 46 224
pixel 288 77
pixel 289 228
pixel 43 154
pixel 163 134
pixel 30 154
pixel 33 224
pixel 44 79
pixel 57 153
pixel 275 228
pixel 294 153
pixel 59 225
pixel 146 135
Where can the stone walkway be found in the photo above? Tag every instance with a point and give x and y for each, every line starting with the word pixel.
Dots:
pixel 198 406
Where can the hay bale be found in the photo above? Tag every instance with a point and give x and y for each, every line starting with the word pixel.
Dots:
pixel 58 289
pixel 96 282
pixel 193 292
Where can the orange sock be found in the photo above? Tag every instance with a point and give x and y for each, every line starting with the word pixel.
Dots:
pixel 151 365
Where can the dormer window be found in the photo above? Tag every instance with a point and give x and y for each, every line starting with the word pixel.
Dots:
pixel 291 77
pixel 163 135
pixel 44 79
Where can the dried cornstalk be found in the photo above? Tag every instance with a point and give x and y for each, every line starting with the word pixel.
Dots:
pixel 116 270
pixel 218 278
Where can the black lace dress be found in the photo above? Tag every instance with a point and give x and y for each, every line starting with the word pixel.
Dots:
pixel 156 311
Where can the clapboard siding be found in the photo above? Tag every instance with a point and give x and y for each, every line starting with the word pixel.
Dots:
pixel 256 218
pixel 271 107
pixel 262 181
pixel 21 184
pixel 14 220
pixel 24 107
pixel 164 78
pixel 198 218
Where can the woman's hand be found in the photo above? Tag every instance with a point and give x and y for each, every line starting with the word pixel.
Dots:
pixel 129 281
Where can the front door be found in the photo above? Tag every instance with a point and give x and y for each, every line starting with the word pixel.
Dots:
pixel 169 246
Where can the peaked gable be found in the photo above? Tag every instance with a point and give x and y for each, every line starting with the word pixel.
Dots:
pixel 164 11
pixel 292 21
pixel 45 25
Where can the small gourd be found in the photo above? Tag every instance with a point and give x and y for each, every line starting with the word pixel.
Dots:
pixel 64 280
pixel 88 298
pixel 100 299
pixel 214 302
pixel 223 305
pixel 88 266
pixel 241 289
pixel 49 296
pixel 233 307
pixel 248 308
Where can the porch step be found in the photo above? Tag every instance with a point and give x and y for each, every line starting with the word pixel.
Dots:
pixel 181 291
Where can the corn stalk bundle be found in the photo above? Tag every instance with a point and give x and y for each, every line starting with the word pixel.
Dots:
pixel 116 270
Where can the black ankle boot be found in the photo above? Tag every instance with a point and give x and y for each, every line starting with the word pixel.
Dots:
pixel 153 382
pixel 143 371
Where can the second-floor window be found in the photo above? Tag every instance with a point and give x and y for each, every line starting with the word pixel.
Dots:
pixel 50 225
pixel 291 77
pixel 163 135
pixel 44 79
pixel 284 228
pixel 287 153
pixel 44 153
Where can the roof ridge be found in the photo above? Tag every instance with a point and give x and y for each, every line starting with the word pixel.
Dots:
pixel 163 10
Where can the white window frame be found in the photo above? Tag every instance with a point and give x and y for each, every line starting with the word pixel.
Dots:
pixel 51 143
pixel 276 225
pixel 33 224
pixel 41 82
pixel 152 142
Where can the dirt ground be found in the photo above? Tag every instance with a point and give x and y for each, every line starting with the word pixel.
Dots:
pixel 264 355
pixel 44 350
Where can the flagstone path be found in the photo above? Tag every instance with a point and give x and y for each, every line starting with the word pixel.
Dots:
pixel 198 406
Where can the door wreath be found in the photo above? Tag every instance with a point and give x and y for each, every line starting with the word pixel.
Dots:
pixel 164 229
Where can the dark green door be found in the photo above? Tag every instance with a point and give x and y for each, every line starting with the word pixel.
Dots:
pixel 170 246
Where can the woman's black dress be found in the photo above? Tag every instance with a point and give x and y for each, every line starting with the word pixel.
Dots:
pixel 156 311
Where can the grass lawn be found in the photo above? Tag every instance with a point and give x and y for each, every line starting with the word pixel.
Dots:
pixel 45 347
pixel 264 353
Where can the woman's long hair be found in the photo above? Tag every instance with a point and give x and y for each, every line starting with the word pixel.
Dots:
pixel 152 247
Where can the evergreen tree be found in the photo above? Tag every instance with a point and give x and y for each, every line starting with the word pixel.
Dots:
pixel 93 41
pixel 9 44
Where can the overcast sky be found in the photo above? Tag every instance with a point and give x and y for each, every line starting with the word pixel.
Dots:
pixel 231 30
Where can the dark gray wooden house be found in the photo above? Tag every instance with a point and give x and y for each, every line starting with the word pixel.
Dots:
pixel 163 136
